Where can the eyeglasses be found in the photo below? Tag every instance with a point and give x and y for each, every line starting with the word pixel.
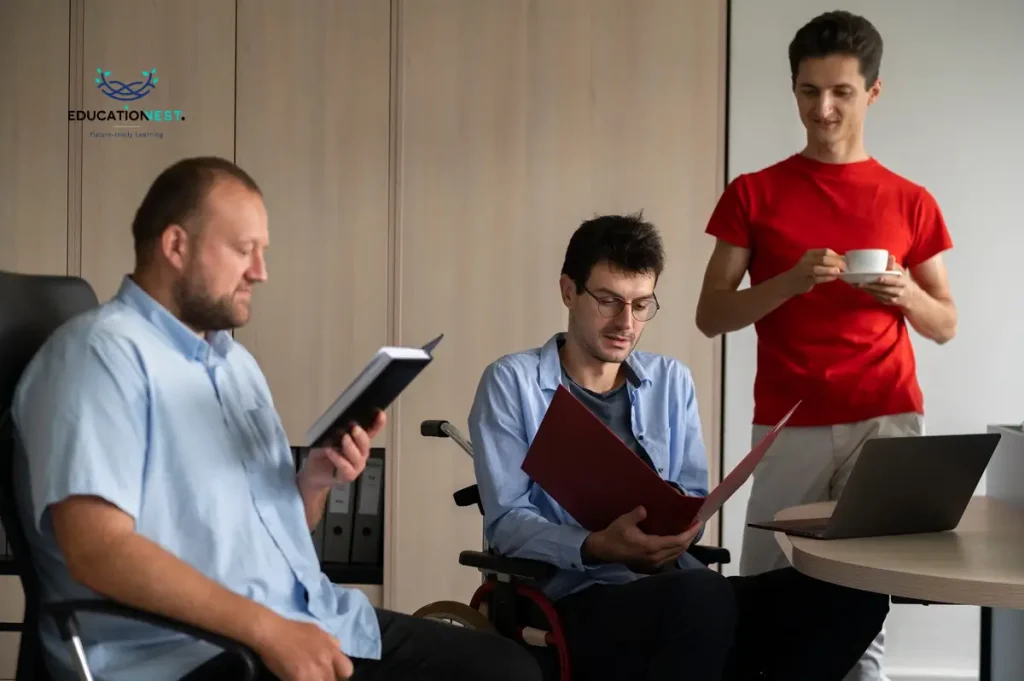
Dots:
pixel 643 310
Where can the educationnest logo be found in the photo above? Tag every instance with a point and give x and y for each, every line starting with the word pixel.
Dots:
pixel 126 92
pixel 127 120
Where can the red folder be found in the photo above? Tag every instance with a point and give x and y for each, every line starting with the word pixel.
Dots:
pixel 596 477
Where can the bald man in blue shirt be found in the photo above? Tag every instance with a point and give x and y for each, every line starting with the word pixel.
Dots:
pixel 154 470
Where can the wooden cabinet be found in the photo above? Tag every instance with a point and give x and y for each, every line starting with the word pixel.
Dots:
pixel 516 122
pixel 424 164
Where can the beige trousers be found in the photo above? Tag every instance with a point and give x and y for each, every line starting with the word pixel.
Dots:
pixel 807 465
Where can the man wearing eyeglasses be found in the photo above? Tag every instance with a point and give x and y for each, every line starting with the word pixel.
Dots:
pixel 636 606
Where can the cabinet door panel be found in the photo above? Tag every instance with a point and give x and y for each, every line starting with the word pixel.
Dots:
pixel 189 102
pixel 518 121
pixel 34 40
pixel 313 122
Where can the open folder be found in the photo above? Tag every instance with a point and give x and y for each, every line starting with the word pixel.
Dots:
pixel 596 477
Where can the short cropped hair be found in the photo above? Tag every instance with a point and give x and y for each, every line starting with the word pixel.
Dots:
pixel 838 32
pixel 176 197
pixel 625 242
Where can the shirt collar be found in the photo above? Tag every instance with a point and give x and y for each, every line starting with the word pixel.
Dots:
pixel 169 326
pixel 550 369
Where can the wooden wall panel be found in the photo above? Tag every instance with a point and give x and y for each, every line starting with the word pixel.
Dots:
pixel 34 45
pixel 191 45
pixel 313 97
pixel 424 164
pixel 517 121
pixel 34 38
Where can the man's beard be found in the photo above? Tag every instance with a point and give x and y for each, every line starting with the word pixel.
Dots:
pixel 200 311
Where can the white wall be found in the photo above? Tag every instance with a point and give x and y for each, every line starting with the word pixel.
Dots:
pixel 951 117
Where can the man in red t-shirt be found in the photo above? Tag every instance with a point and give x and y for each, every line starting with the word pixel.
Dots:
pixel 839 344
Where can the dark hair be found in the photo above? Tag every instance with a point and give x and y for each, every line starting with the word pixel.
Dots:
pixel 838 32
pixel 176 198
pixel 625 242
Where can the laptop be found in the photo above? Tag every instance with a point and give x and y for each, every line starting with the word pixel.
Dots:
pixel 902 485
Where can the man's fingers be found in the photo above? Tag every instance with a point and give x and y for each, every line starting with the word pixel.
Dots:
pixel 342 666
pixel 359 437
pixel 883 290
pixel 346 468
pixel 675 542
pixel 378 424
pixel 665 557
pixel 356 454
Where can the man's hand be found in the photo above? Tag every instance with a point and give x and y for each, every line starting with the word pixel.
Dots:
pixel 348 458
pixel 815 267
pixel 893 289
pixel 300 651
pixel 624 542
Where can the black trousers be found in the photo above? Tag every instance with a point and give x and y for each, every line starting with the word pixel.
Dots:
pixel 416 649
pixel 698 625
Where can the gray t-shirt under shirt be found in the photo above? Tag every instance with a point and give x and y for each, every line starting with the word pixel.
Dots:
pixel 614 410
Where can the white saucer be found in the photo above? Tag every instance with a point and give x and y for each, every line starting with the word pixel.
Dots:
pixel 867 277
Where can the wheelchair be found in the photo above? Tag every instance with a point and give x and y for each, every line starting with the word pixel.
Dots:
pixel 509 601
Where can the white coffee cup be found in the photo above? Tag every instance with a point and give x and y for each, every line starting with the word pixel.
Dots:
pixel 867 260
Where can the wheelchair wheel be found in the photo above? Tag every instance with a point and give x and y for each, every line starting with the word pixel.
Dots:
pixel 456 614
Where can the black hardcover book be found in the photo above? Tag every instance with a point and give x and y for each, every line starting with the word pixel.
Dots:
pixel 380 382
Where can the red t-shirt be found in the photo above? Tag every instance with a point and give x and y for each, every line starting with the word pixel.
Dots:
pixel 846 355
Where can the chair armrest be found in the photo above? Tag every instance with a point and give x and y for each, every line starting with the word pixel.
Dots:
pixel 710 554
pixel 64 613
pixel 468 496
pixel 524 568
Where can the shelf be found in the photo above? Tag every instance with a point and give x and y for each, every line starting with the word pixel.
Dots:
pixel 353 573
pixel 338 573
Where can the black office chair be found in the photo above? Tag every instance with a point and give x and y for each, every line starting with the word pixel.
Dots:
pixel 31 308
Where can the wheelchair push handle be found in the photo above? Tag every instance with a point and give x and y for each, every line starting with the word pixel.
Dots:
pixel 433 428
pixel 441 428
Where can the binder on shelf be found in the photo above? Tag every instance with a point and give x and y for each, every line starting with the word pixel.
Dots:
pixel 337 522
pixel 368 515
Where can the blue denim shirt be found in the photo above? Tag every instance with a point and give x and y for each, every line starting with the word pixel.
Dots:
pixel 126 403
pixel 520 519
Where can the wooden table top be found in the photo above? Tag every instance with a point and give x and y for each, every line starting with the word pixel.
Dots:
pixel 979 563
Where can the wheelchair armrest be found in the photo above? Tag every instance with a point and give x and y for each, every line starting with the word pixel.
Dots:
pixel 467 496
pixel 710 554
pixel 64 613
pixel 524 568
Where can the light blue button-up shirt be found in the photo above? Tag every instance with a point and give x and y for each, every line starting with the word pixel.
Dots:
pixel 520 519
pixel 126 403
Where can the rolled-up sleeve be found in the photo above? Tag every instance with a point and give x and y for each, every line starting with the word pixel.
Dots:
pixel 81 418
pixel 513 524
